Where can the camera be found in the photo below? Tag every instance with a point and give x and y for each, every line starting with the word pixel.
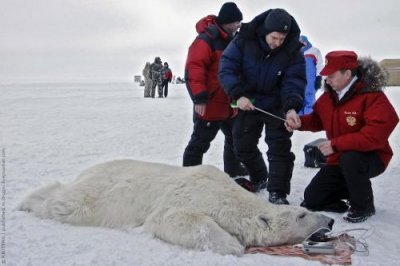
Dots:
pixel 312 247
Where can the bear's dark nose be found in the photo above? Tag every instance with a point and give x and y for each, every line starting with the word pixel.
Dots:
pixel 330 224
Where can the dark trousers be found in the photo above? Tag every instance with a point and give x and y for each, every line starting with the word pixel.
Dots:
pixel 348 180
pixel 165 87
pixel 203 133
pixel 247 130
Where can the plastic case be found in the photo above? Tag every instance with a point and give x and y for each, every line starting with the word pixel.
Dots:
pixel 313 156
pixel 311 247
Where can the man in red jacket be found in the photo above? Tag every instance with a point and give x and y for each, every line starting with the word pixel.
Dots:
pixel 358 119
pixel 212 111
pixel 166 74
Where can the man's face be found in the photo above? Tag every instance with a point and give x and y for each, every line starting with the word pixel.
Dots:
pixel 339 79
pixel 275 39
pixel 231 28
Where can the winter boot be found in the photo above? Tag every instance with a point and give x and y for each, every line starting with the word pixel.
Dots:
pixel 259 185
pixel 358 216
pixel 278 198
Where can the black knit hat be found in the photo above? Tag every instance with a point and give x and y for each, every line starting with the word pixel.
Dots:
pixel 277 20
pixel 229 13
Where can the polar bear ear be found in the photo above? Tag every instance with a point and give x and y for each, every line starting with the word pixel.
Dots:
pixel 263 221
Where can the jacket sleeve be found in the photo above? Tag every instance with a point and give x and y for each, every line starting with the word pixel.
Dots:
pixel 293 84
pixel 229 70
pixel 380 121
pixel 198 60
pixel 310 122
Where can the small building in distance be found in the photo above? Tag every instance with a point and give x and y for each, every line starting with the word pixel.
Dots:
pixel 137 78
pixel 392 66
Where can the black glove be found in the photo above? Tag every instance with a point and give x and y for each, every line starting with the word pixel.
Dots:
pixel 318 81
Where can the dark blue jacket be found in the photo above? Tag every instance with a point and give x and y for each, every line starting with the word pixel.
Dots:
pixel 274 78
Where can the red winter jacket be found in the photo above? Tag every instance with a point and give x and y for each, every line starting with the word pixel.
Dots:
pixel 201 71
pixel 361 121
pixel 167 75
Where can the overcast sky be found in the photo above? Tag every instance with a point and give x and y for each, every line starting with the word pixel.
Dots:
pixel 110 40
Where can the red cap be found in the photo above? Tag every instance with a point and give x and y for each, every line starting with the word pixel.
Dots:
pixel 337 60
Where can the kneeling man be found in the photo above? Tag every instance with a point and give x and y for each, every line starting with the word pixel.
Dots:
pixel 358 119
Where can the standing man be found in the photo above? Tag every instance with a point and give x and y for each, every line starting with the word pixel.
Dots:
pixel 358 119
pixel 263 67
pixel 155 75
pixel 212 111
pixel 166 78
pixel 314 65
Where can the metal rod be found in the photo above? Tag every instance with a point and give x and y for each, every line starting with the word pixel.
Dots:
pixel 268 113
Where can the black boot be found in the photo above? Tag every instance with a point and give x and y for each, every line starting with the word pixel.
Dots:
pixel 358 216
pixel 278 198
pixel 259 185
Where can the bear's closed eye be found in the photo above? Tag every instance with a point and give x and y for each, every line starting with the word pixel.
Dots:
pixel 301 216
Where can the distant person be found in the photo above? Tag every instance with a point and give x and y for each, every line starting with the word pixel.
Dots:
pixel 147 80
pixel 263 67
pixel 166 78
pixel 155 75
pixel 211 110
pixel 358 119
pixel 314 65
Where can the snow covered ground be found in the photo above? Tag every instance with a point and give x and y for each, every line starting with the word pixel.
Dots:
pixel 52 132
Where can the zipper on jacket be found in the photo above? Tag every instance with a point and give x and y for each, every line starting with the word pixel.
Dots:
pixel 267 56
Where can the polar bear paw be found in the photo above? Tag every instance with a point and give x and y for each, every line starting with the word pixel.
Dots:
pixel 192 230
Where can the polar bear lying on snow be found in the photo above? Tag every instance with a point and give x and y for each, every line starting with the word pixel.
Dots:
pixel 196 207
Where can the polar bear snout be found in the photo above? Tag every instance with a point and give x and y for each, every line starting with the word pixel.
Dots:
pixel 325 221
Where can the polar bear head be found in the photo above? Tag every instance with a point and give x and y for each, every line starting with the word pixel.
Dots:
pixel 283 225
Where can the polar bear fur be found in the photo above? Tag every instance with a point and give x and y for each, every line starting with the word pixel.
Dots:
pixel 196 207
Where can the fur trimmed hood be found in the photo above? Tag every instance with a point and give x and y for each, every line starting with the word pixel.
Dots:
pixel 373 76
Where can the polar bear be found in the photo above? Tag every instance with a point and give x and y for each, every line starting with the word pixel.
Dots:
pixel 197 207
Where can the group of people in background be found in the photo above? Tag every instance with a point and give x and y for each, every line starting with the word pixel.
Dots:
pixel 263 79
pixel 157 75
